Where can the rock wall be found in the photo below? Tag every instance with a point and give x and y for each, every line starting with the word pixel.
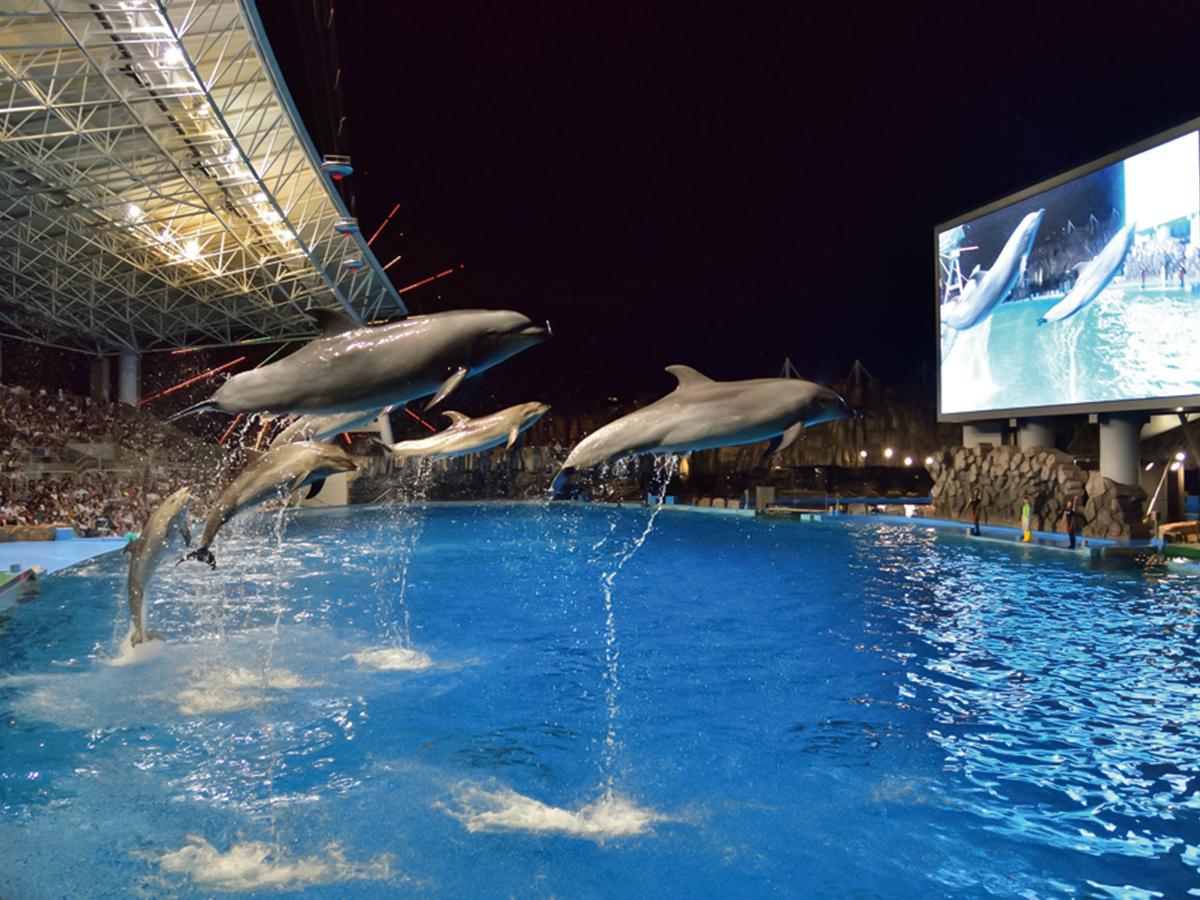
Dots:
pixel 1006 475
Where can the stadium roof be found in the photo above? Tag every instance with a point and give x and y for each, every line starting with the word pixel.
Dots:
pixel 157 187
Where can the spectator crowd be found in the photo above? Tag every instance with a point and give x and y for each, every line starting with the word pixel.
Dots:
pixel 151 460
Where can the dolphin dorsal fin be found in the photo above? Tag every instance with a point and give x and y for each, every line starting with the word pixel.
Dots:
pixel 455 417
pixel 688 377
pixel 333 321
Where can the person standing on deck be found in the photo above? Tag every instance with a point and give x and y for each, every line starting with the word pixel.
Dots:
pixel 1025 518
pixel 976 505
pixel 1070 517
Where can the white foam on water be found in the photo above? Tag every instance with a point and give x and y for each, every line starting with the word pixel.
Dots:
pixel 503 809
pixel 129 655
pixel 392 659
pixel 227 690
pixel 258 865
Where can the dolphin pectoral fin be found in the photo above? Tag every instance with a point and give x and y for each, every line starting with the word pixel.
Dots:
pixel 448 386
pixel 783 441
pixel 514 435
pixel 314 488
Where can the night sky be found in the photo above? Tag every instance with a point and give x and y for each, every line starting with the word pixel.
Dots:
pixel 715 185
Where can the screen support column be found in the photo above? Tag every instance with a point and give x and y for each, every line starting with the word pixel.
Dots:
pixel 1034 434
pixel 1120 446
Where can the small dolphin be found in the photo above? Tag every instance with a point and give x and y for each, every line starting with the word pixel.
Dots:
pixel 168 516
pixel 987 289
pixel 354 367
pixel 281 470
pixel 322 428
pixel 701 414
pixel 467 435
pixel 1093 277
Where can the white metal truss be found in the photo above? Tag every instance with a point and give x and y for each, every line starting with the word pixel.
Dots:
pixel 157 188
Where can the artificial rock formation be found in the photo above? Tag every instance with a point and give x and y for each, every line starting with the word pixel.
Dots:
pixel 1007 475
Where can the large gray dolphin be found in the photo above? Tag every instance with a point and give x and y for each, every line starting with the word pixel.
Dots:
pixel 322 428
pixel 467 435
pixel 168 517
pixel 986 289
pixel 281 470
pixel 1094 277
pixel 354 367
pixel 701 414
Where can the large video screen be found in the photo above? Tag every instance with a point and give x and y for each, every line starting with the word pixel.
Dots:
pixel 1079 295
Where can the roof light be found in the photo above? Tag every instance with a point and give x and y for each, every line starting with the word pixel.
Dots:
pixel 191 250
pixel 1181 456
pixel 133 212
pixel 172 56
pixel 1175 466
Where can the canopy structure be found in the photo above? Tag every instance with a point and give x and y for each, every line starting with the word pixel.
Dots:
pixel 157 187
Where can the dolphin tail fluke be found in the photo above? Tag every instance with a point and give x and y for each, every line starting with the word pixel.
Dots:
pixel 204 555
pixel 559 484
pixel 202 406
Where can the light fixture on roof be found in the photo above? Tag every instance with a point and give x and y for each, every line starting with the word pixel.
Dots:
pixel 346 227
pixel 232 156
pixel 1175 466
pixel 1181 456
pixel 336 167
pixel 888 452
pixel 353 264
pixel 191 250
pixel 908 460
pixel 862 454
pixel 133 212
pixel 172 56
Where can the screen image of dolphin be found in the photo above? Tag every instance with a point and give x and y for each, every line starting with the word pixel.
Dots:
pixel 701 414
pixel 354 367
pixel 169 517
pixel 466 435
pixel 987 288
pixel 279 471
pixel 1094 277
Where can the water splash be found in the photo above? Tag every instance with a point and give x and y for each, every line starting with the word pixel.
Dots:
pixel 664 470
pixel 503 809
pixel 256 865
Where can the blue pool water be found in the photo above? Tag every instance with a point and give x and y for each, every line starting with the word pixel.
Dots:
pixel 752 708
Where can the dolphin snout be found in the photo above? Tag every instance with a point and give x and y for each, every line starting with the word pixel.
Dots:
pixel 537 332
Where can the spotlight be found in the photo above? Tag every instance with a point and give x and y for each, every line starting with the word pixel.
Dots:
pixel 888 453
pixel 172 56
pixel 1181 456
pixel 929 460
pixel 862 454
pixel 1176 466
pixel 908 460
pixel 1149 465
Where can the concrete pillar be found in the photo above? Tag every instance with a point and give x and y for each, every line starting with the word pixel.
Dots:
pixel 129 378
pixel 385 429
pixel 101 379
pixel 983 433
pixel 1120 446
pixel 1035 434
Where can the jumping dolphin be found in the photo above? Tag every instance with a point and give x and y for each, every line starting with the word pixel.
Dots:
pixel 281 470
pixel 466 435
pixel 168 516
pixel 702 413
pixel 1094 277
pixel 354 367
pixel 322 428
pixel 987 288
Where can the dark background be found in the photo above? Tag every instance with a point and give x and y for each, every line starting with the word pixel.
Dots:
pixel 720 185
